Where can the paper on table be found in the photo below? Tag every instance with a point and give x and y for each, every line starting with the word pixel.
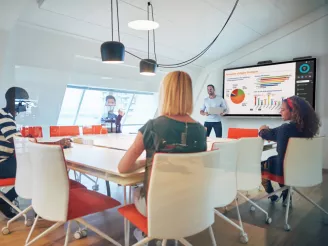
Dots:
pixel 212 110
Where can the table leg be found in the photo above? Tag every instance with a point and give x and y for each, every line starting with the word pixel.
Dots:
pixel 108 188
pixel 126 222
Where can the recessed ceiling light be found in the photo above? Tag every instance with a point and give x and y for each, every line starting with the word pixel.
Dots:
pixel 106 78
pixel 143 25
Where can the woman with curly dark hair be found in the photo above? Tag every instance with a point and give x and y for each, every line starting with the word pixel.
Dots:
pixel 304 123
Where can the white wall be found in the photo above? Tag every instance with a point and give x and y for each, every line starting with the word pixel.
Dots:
pixel 307 36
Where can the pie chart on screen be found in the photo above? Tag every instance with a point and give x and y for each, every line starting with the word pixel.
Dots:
pixel 237 96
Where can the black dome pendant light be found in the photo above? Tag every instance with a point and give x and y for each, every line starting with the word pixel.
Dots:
pixel 113 52
pixel 148 66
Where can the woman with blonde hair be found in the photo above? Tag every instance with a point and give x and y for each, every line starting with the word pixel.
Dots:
pixel 174 131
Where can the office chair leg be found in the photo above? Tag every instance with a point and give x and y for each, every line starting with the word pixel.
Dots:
pixel 268 220
pixel 68 232
pixel 311 201
pixel 287 226
pixel 243 234
pixel 52 228
pixel 212 236
pixel 22 213
pixel 185 242
pixel 32 229
pixel 100 233
pixel 143 241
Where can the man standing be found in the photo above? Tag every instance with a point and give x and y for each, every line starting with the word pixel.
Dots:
pixel 213 120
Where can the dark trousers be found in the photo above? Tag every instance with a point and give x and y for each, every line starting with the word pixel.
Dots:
pixel 8 170
pixel 217 128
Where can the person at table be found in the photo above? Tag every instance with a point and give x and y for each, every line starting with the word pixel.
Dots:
pixel 213 120
pixel 174 131
pixel 303 123
pixel 8 131
pixel 110 116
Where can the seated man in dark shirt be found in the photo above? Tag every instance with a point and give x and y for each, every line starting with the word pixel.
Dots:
pixel 304 123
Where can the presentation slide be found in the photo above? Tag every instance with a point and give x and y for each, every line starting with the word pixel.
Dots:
pixel 260 90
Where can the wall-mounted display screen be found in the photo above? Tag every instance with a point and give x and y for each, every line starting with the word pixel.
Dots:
pixel 259 90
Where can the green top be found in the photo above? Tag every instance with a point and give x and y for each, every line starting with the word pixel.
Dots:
pixel 167 135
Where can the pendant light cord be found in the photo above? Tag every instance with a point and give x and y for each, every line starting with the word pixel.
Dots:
pixel 191 60
pixel 148 30
pixel 112 24
pixel 118 22
pixel 187 62
pixel 154 41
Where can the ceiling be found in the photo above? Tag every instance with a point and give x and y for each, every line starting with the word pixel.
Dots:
pixel 186 26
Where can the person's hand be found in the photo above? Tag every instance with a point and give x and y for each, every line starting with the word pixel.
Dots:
pixel 264 127
pixel 207 114
pixel 65 142
pixel 120 112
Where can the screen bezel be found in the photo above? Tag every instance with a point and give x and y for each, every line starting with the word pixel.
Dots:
pixel 271 64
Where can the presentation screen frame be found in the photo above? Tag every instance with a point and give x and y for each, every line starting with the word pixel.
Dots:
pixel 272 64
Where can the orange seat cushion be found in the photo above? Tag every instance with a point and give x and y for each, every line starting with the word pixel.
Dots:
pixel 76 185
pixel 272 177
pixel 7 182
pixel 83 202
pixel 131 213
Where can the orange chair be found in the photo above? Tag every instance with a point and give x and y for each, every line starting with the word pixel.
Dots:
pixel 32 131
pixel 62 131
pixel 95 129
pixel 237 133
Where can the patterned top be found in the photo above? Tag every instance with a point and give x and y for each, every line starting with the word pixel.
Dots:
pixel 7 130
pixel 167 135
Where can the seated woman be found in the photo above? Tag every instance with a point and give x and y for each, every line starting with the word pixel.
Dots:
pixel 304 123
pixel 174 131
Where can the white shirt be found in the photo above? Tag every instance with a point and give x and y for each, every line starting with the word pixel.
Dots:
pixel 216 102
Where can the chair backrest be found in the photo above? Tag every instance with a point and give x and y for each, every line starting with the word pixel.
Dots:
pixel 50 183
pixel 180 196
pixel 24 171
pixel 226 181
pixel 62 131
pixel 237 133
pixel 248 163
pixel 303 162
pixel 32 131
pixel 95 129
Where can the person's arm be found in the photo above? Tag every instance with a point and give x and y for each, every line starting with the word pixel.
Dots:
pixel 202 109
pixel 8 128
pixel 128 162
pixel 223 105
pixel 268 134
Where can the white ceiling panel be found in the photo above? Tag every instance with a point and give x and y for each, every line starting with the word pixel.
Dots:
pixel 186 26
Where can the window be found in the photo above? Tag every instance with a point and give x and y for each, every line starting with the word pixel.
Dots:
pixel 86 106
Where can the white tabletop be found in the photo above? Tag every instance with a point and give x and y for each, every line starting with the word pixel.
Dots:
pixel 101 159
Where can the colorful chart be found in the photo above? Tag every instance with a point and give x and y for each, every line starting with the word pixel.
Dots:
pixel 265 81
pixel 237 96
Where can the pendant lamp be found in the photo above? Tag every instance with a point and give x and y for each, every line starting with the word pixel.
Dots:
pixel 113 52
pixel 148 66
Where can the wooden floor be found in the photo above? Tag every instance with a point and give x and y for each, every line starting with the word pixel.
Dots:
pixel 305 220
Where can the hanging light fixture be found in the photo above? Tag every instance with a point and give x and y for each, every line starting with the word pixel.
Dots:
pixel 113 51
pixel 148 66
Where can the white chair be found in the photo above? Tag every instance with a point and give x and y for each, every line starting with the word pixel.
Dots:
pixel 23 180
pixel 180 197
pixel 249 169
pixel 302 168
pixel 226 182
pixel 54 200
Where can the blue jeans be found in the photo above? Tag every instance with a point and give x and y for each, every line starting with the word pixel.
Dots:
pixel 217 128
